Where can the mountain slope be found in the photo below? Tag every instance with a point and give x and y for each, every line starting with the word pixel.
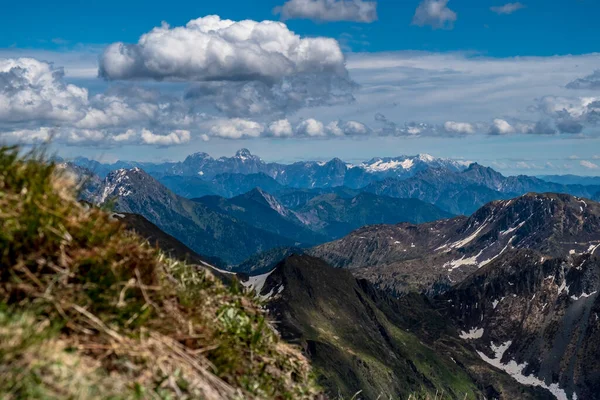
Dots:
pixel 337 216
pixel 535 317
pixel 165 242
pixel 465 191
pixel 89 311
pixel 261 210
pixel 361 340
pixel 203 229
pixel 572 179
pixel 433 256
pixel 224 185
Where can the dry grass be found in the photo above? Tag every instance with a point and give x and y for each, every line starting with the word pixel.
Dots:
pixel 87 310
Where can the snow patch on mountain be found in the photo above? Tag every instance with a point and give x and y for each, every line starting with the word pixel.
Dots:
pixel 114 182
pixel 583 296
pixel 257 282
pixel 515 370
pixel 475 333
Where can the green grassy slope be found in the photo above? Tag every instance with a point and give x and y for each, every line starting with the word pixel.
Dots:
pixel 89 310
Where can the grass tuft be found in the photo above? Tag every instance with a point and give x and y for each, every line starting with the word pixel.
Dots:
pixel 89 310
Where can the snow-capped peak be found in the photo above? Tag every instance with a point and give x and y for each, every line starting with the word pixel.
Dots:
pixel 243 154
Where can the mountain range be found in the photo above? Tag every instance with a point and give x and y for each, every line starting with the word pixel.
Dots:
pixel 234 229
pixel 456 187
pixel 384 288
pixel 519 278
pixel 305 174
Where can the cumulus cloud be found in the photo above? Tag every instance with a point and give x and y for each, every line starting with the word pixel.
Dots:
pixel 212 49
pixel 571 115
pixel 588 165
pixel 236 128
pixel 30 89
pixel 590 82
pixel 242 68
pixel 37 105
pixel 176 137
pixel 348 128
pixel 310 127
pixel 280 128
pixel 508 8
pixel 95 137
pixel 501 127
pixel 434 13
pixel 329 10
pixel 459 127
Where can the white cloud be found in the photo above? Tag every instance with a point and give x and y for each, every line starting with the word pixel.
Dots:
pixel 176 137
pixel 571 115
pixel 588 165
pixel 310 127
pixel 280 128
pixel 573 107
pixel 329 10
pixel 212 49
pixel 36 104
pixel 459 127
pixel 501 127
pixel 95 137
pixel 508 8
pixel 241 68
pixel 348 128
pixel 236 128
pixel 354 128
pixel 28 136
pixel 434 13
pixel 31 89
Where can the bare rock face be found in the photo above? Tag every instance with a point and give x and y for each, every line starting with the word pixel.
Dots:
pixel 536 318
pixel 520 278
pixel 432 257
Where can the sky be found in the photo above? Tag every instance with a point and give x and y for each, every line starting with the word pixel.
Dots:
pixel 512 85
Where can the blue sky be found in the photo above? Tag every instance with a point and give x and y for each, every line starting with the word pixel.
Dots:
pixel 541 28
pixel 509 84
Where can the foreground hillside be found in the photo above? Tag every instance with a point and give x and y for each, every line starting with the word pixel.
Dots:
pixel 88 310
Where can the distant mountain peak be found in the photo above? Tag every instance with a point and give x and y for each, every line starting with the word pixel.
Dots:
pixel 244 154
pixel 426 157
